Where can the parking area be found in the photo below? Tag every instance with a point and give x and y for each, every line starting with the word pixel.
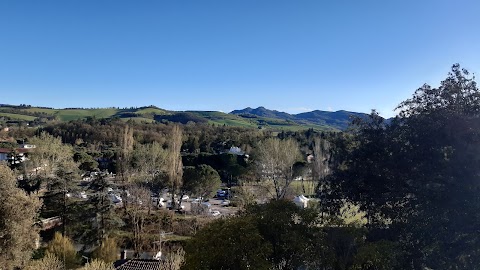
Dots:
pixel 218 206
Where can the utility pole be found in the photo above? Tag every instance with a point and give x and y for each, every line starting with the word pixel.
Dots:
pixel 64 220
pixel 162 235
pixel 64 207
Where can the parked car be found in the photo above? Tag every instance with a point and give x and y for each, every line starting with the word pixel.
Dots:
pixel 115 198
pixel 82 195
pixel 225 203
pixel 221 193
pixel 197 200
pixel 215 213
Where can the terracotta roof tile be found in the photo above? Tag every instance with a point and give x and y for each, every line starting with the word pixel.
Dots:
pixel 135 264
pixel 18 150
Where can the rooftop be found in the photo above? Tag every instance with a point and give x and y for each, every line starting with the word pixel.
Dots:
pixel 18 150
pixel 135 264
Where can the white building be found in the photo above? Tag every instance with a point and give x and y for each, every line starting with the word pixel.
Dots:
pixel 7 154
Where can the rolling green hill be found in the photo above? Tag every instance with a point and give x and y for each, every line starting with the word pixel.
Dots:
pixel 16 117
pixel 31 113
pixel 251 118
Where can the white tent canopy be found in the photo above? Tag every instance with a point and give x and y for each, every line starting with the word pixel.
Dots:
pixel 301 201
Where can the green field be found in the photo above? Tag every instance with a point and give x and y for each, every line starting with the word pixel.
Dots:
pixel 15 116
pixel 233 122
pixel 42 110
pixel 62 114
pixel 68 115
pixel 152 111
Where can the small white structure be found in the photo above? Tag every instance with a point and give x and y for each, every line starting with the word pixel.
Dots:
pixel 115 198
pixel 236 151
pixel 301 201
pixel 158 256
pixel 28 146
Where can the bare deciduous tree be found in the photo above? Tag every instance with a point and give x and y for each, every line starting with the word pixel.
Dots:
pixel 149 161
pixel 138 212
pixel 123 160
pixel 50 157
pixel 98 265
pixel 175 166
pixel 276 159
pixel 174 260
pixel 49 262
pixel 320 166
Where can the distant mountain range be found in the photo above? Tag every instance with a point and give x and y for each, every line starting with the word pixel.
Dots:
pixel 338 120
pixel 254 118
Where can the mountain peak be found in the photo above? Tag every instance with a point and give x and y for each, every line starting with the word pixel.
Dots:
pixel 338 119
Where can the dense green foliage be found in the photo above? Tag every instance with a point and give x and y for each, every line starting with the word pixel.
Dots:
pixel 228 244
pixel 417 177
pixel 263 236
pixel 201 180
pixel 279 235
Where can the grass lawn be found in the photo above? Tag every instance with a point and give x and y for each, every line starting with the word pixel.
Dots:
pixel 151 111
pixel 74 114
pixel 234 122
pixel 296 186
pixel 42 110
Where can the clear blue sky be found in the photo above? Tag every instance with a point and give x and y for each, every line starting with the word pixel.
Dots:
pixel 229 54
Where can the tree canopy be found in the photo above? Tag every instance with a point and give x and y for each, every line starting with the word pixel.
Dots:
pixel 18 216
pixel 418 175
pixel 276 159
pixel 201 180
